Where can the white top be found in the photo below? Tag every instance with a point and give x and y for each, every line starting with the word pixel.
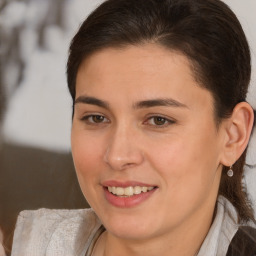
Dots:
pixel 47 232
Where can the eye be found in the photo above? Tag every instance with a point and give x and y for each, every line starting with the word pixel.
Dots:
pixel 95 119
pixel 159 121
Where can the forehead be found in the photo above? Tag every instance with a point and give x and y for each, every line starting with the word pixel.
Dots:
pixel 144 60
pixel 139 71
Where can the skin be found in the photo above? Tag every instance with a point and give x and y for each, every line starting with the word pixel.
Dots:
pixel 182 154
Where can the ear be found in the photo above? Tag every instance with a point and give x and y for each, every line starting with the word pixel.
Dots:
pixel 238 130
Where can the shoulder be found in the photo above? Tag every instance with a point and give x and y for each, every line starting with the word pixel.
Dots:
pixel 243 242
pixel 226 236
pixel 241 239
pixel 51 215
pixel 54 232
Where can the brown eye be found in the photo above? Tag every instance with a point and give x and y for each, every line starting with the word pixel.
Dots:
pixel 158 120
pixel 97 119
pixel 94 119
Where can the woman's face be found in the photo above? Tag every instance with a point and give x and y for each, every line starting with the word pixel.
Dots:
pixel 144 141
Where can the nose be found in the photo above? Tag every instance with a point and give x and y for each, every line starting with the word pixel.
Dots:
pixel 123 150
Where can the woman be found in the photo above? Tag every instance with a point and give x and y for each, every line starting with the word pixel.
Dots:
pixel 159 135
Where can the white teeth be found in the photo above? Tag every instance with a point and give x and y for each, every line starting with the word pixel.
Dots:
pixel 137 190
pixel 129 191
pixel 113 190
pixel 119 191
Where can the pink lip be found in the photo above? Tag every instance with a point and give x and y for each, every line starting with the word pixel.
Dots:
pixel 126 202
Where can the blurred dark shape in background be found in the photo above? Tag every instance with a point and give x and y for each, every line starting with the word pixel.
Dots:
pixel 30 177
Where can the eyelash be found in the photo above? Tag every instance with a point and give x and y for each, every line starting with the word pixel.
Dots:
pixel 166 121
pixel 102 120
pixel 89 119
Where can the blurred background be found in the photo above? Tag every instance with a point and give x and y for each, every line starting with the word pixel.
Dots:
pixel 36 167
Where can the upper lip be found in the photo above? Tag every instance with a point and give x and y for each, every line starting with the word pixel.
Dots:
pixel 124 184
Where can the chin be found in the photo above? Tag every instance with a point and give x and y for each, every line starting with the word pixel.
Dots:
pixel 130 227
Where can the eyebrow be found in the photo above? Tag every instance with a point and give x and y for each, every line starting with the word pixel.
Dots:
pixel 92 101
pixel 165 102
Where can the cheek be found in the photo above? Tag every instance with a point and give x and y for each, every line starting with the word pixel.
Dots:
pixel 188 170
pixel 87 153
pixel 188 161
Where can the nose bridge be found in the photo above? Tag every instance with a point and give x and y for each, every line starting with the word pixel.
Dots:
pixel 123 150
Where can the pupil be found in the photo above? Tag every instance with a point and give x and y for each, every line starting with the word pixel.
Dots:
pixel 159 120
pixel 98 119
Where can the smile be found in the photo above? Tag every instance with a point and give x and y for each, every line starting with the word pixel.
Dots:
pixel 129 191
pixel 127 194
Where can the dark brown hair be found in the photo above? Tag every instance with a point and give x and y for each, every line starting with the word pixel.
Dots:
pixel 207 32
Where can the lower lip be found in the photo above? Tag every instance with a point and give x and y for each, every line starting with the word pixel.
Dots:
pixel 126 202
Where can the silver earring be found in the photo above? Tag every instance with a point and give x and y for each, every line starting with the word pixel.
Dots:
pixel 230 172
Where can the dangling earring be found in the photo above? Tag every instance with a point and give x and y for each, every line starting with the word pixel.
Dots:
pixel 230 172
